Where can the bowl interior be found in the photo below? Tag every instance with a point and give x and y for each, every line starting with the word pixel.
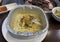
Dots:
pixel 54 10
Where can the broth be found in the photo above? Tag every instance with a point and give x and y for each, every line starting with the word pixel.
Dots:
pixel 26 22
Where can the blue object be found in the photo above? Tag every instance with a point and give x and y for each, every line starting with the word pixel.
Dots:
pixel 13 1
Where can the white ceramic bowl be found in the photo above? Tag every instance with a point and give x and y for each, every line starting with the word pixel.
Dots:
pixel 54 15
pixel 33 8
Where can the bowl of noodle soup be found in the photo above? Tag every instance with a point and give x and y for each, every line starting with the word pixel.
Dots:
pixel 27 21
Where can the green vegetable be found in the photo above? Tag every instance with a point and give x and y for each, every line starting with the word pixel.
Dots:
pixel 58 13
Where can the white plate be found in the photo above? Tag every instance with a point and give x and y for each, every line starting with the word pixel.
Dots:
pixel 9 38
pixel 9 7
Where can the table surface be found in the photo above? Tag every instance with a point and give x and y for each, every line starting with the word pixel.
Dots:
pixel 53 33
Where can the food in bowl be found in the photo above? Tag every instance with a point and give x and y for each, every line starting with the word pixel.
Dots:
pixel 26 22
pixel 57 12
